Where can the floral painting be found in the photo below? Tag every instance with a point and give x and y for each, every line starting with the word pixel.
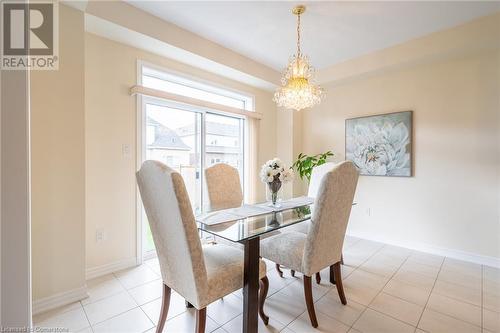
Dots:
pixel 380 145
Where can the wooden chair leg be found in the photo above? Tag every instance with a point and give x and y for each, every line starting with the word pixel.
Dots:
pixel 292 272
pixel 332 275
pixel 164 308
pixel 201 320
pixel 280 272
pixel 309 301
pixel 338 279
pixel 264 287
pixel 318 278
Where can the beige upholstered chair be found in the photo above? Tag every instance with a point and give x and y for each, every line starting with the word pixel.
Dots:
pixel 224 187
pixel 322 245
pixel 316 176
pixel 200 275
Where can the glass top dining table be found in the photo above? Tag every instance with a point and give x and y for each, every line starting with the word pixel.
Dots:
pixel 247 231
pixel 246 228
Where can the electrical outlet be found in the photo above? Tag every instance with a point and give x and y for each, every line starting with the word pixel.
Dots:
pixel 100 235
pixel 126 150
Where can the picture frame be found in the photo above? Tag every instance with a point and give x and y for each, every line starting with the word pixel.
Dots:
pixel 382 144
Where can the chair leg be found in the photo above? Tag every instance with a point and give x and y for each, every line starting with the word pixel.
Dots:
pixel 264 287
pixel 338 279
pixel 309 301
pixel 201 319
pixel 292 272
pixel 318 278
pixel 280 272
pixel 164 308
pixel 342 258
pixel 332 275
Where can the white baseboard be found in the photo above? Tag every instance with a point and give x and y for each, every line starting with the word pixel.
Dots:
pixel 97 271
pixel 441 251
pixel 60 299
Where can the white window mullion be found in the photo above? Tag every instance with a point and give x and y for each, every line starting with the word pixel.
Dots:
pixel 203 159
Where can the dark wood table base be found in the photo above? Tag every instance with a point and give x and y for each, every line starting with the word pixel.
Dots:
pixel 251 285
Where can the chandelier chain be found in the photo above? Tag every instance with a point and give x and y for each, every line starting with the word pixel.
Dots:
pixel 298 35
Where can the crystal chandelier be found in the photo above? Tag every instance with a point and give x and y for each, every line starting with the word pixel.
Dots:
pixel 297 91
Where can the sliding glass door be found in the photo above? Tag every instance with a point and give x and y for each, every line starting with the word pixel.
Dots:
pixel 173 137
pixel 188 140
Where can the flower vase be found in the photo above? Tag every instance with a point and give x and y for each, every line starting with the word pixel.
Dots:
pixel 274 193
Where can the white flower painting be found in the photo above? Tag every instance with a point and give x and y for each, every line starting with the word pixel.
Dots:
pixel 380 145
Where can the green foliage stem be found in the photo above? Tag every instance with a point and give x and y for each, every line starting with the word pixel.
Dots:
pixel 304 163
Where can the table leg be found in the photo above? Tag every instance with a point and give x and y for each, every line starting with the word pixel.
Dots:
pixel 251 286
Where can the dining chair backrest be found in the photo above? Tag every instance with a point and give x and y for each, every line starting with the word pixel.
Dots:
pixel 332 208
pixel 174 230
pixel 223 186
pixel 316 175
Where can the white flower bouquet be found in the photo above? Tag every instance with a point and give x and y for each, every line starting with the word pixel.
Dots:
pixel 274 174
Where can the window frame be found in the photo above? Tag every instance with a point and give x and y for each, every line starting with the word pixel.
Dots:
pixel 196 83
pixel 141 138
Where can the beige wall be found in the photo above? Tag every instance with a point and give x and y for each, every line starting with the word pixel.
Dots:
pixel 58 165
pixel 15 246
pixel 451 202
pixel 110 122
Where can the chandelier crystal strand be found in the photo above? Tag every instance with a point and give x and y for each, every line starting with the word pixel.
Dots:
pixel 297 91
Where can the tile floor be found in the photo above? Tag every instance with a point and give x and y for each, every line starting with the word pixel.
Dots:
pixel 389 289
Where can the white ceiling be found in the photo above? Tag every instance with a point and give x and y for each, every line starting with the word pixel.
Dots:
pixel 332 31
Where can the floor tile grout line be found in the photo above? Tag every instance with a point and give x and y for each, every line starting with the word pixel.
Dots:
pixel 116 315
pixel 459 285
pixel 278 290
pixel 395 296
pixel 430 294
pixel 227 321
pixel 144 312
pixel 357 267
pixel 457 299
pixel 381 290
pixel 44 313
pixel 138 305
pixel 86 316
pixel 356 242
pixel 454 317
pixel 295 318
pixel 140 284
pixel 287 326
pixel 452 298
pixel 400 298
pixel 423 263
